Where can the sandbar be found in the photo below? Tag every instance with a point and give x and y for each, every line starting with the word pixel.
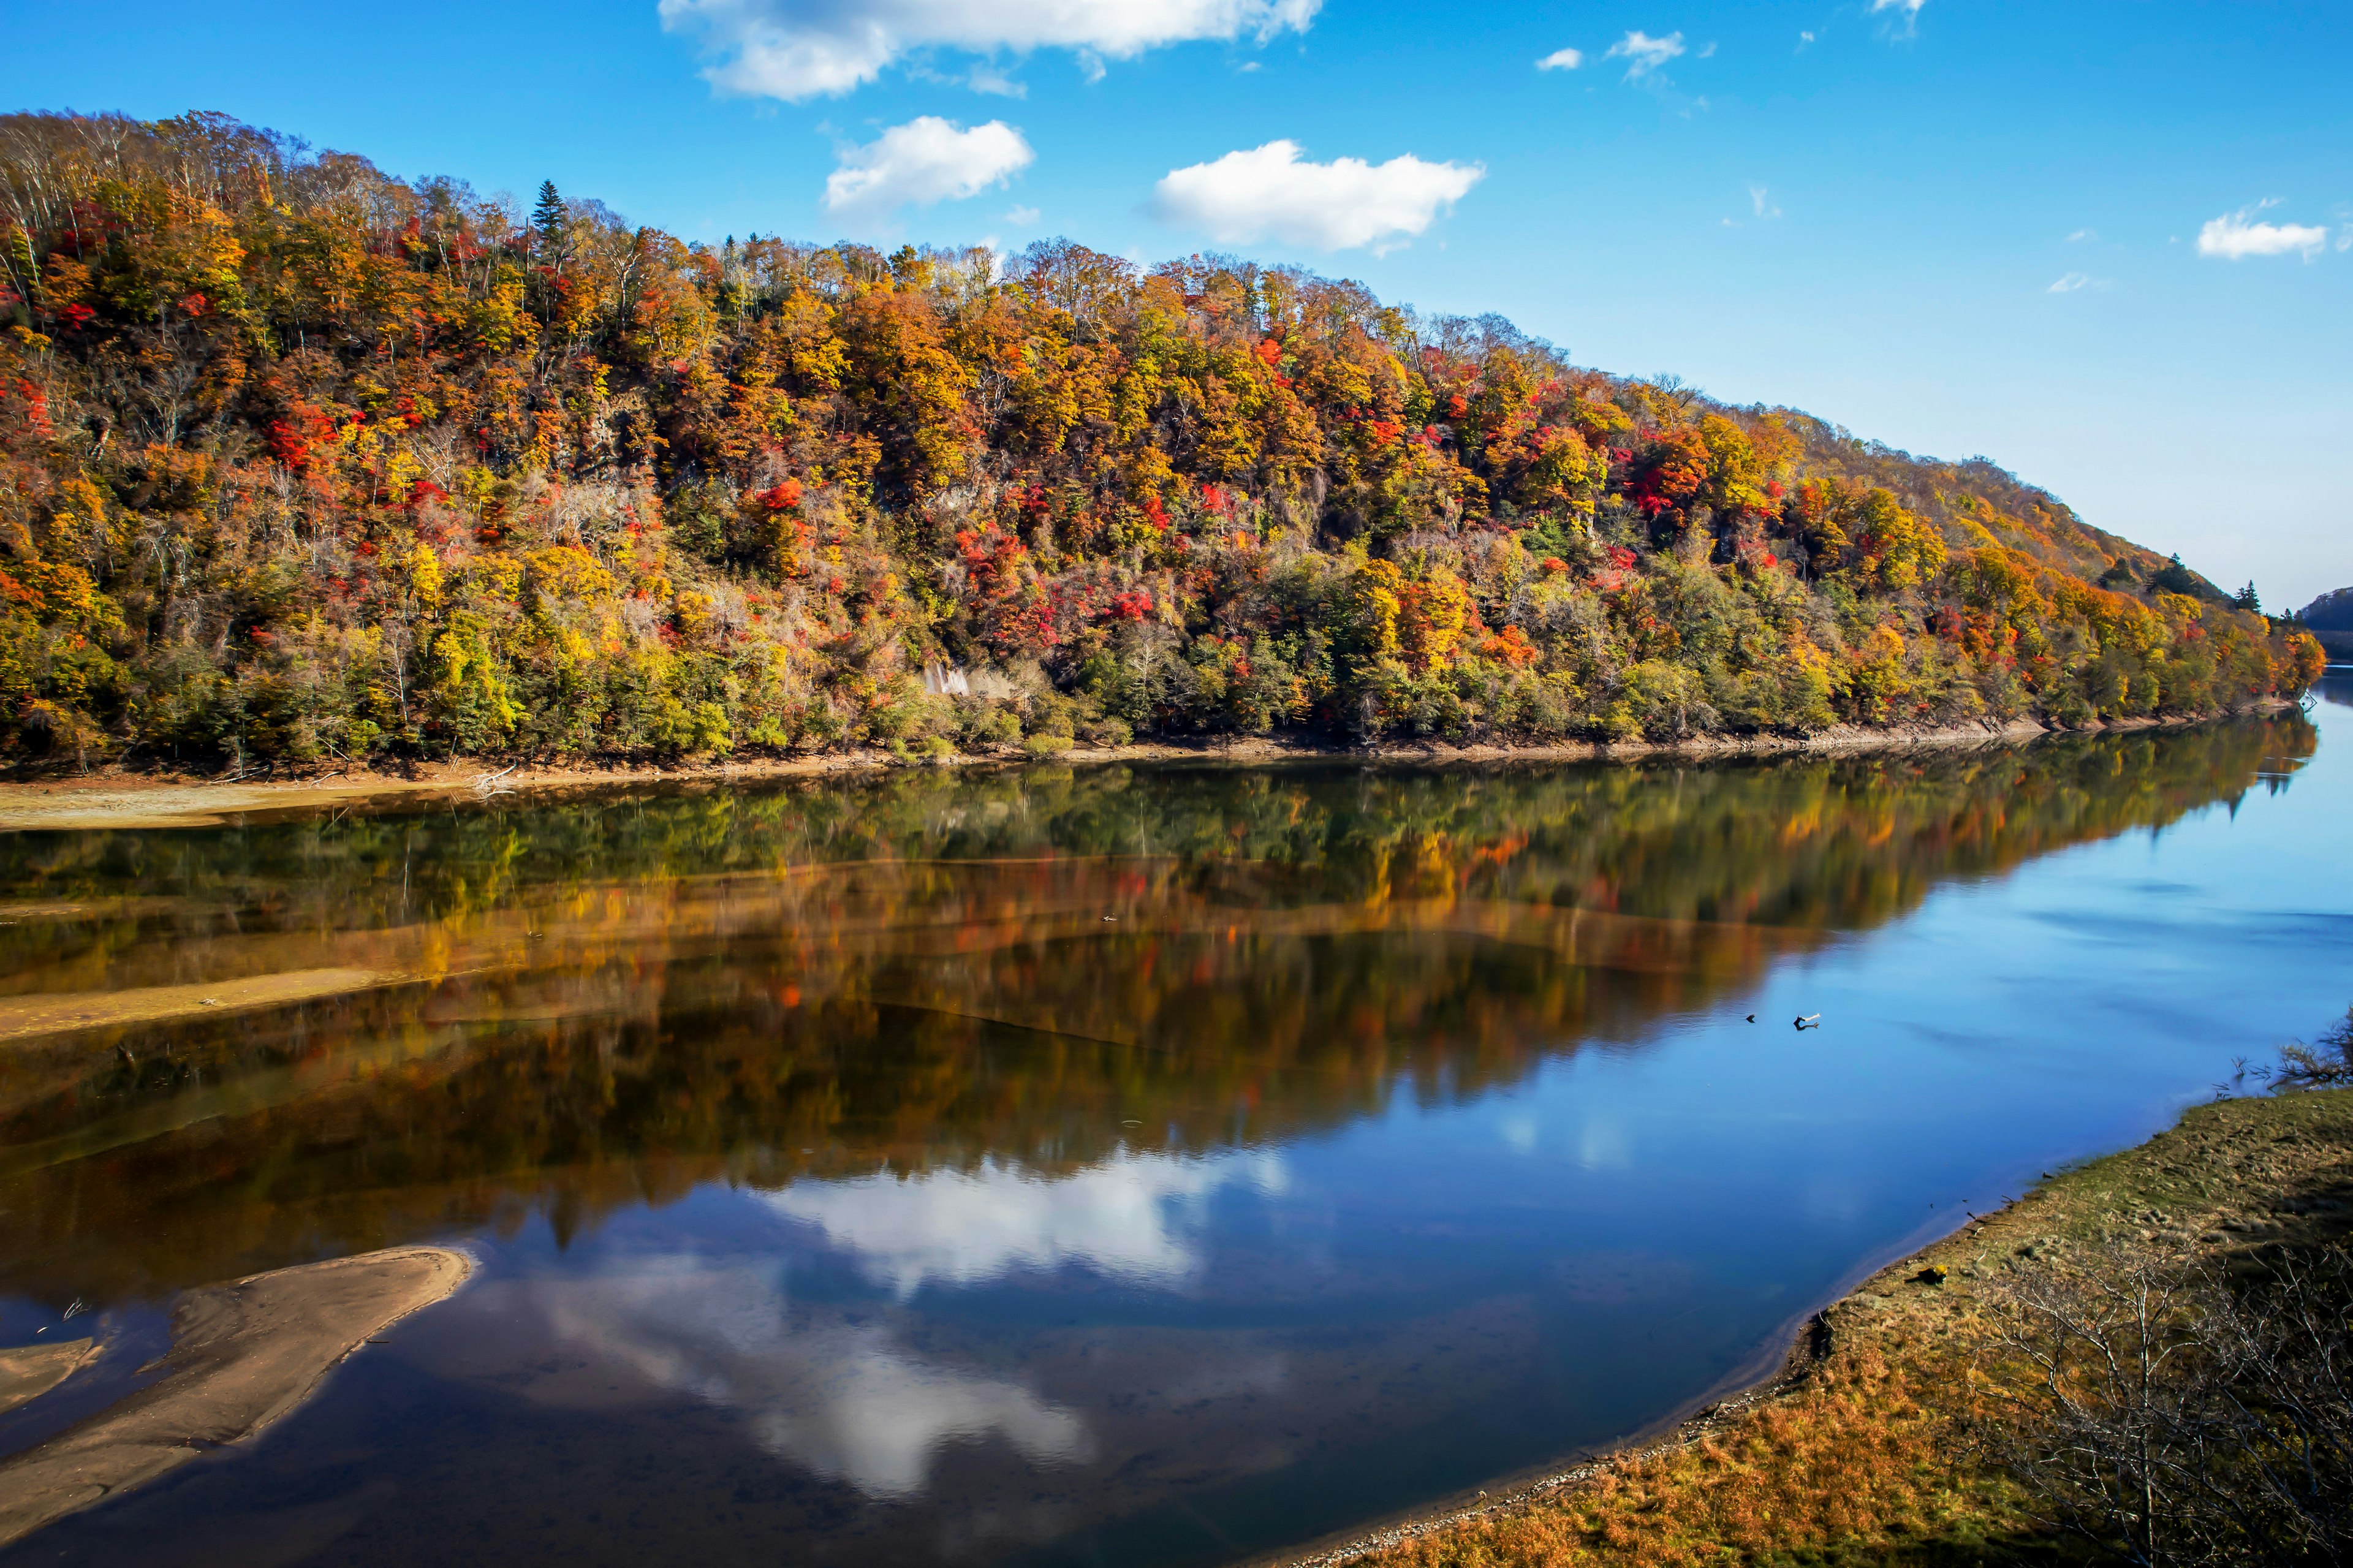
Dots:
pixel 243 1355
pixel 28 1372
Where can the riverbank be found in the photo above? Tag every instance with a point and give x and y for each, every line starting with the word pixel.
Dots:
pixel 1856 1451
pixel 124 798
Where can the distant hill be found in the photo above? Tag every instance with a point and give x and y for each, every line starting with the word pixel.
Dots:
pixel 2332 612
pixel 2330 619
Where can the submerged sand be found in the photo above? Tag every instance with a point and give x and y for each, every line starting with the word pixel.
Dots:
pixel 243 1355
pixel 51 1013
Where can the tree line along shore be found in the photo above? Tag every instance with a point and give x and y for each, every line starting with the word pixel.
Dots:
pixel 303 464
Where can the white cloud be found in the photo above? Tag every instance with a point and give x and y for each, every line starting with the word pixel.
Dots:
pixel 2069 284
pixel 1707 52
pixel 2233 237
pixel 1909 10
pixel 2081 236
pixel 927 159
pixel 1129 1217
pixel 1804 38
pixel 796 49
pixel 845 1400
pixel 1644 54
pixel 1758 199
pixel 985 78
pixel 1561 60
pixel 1267 193
pixel 1021 216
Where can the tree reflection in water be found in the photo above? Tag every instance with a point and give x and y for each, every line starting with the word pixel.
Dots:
pixel 612 1000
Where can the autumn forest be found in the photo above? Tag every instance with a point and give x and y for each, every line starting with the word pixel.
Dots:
pixel 302 463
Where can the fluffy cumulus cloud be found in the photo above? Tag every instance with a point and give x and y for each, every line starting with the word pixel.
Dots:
pixel 927 159
pixel 1644 54
pixel 1561 60
pixel 1270 193
pixel 2236 236
pixel 797 49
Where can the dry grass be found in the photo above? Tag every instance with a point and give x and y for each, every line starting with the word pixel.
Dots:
pixel 1852 1466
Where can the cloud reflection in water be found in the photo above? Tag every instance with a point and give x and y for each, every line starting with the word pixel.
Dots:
pixel 847 1400
pixel 844 1400
pixel 1131 1217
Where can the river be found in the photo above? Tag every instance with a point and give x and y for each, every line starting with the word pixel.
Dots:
pixel 1152 1165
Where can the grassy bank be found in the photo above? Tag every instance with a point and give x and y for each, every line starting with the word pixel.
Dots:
pixel 1868 1450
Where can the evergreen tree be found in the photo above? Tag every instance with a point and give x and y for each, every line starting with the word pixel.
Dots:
pixel 2247 599
pixel 550 218
pixel 2173 577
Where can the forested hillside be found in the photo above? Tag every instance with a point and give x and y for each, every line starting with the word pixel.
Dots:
pixel 299 461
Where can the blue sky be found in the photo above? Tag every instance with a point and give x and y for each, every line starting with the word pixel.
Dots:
pixel 1958 227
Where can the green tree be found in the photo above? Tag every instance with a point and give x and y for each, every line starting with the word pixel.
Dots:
pixel 2173 577
pixel 550 221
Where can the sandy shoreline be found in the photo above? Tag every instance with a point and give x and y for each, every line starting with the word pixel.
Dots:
pixel 117 798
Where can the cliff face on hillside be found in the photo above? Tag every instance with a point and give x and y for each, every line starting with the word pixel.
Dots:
pixel 298 460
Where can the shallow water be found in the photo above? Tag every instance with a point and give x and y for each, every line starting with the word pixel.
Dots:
pixel 1136 1166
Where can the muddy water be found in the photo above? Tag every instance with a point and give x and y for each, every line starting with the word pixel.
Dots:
pixel 1150 1166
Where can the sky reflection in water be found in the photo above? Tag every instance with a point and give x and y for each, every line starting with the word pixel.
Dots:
pixel 851 1189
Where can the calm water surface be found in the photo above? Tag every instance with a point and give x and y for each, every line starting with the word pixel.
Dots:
pixel 1108 1166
